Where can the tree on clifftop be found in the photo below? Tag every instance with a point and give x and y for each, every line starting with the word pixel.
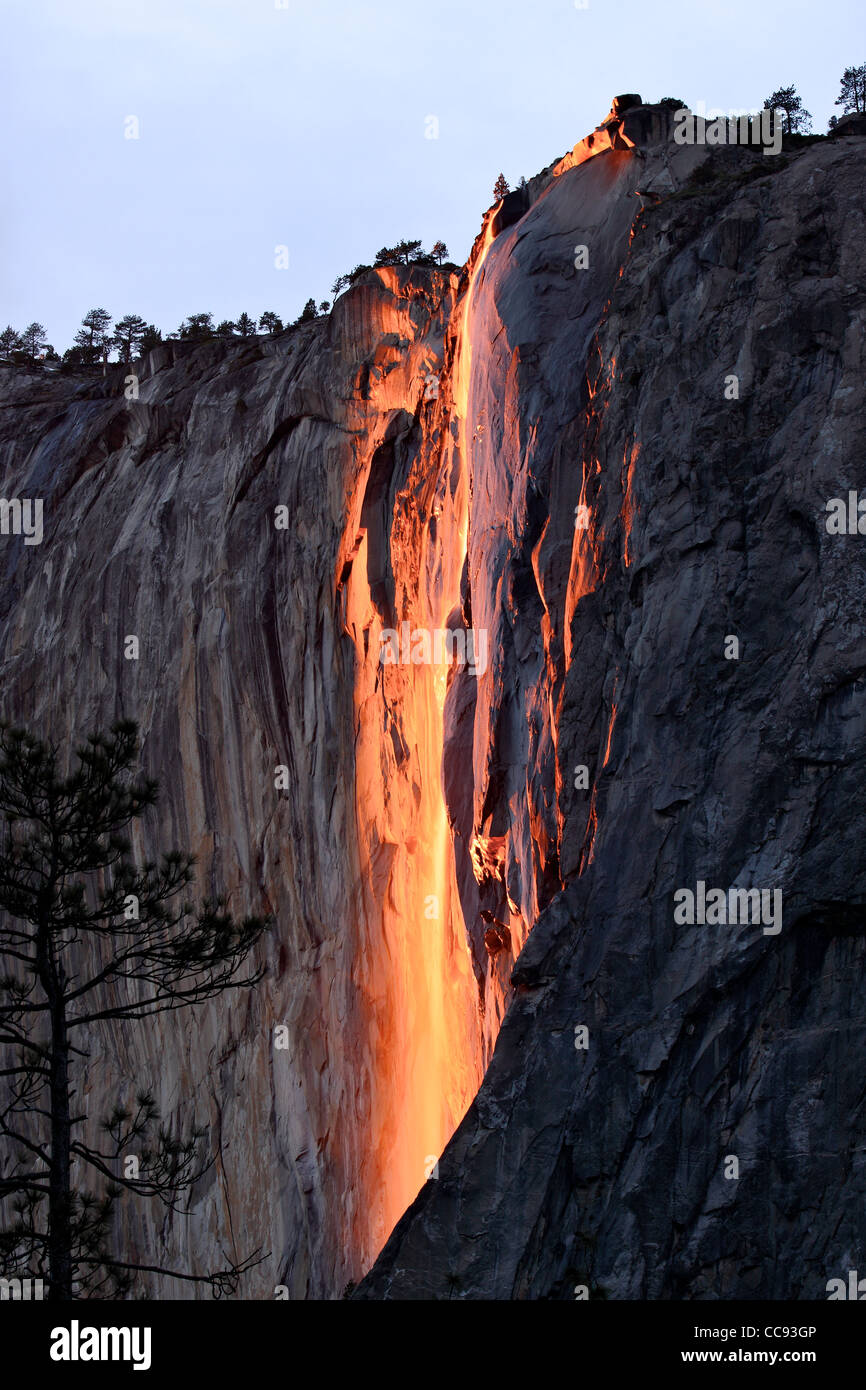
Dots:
pixel 500 188
pixel 91 939
pixel 401 254
pixel 93 338
pixel 128 333
pixel 852 90
pixel 10 341
pixel 197 326
pixel 33 340
pixel 440 251
pixel 798 120
pixel 150 338
pixel 271 322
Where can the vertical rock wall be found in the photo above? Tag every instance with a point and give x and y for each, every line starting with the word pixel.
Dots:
pixel 598 1163
pixel 539 450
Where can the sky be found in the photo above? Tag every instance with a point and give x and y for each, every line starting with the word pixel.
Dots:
pixel 330 129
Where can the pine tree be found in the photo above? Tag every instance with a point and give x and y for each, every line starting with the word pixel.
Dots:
pixel 90 938
pixel 798 120
pixel 198 326
pixel 500 188
pixel 852 90
pixel 150 338
pixel 245 326
pixel 93 338
pixel 271 322
pixel 401 254
pixel 128 334
pixel 10 341
pixel 33 340
pixel 440 251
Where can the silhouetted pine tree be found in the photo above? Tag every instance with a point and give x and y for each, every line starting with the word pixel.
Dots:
pixel 89 938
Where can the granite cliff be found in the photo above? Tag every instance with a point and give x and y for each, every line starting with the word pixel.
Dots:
pixel 607 446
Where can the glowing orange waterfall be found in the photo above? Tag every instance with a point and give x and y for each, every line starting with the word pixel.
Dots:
pixel 414 973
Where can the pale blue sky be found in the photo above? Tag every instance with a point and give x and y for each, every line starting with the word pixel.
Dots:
pixel 305 126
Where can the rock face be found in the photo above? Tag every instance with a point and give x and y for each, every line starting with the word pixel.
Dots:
pixel 599 1159
pixel 160 522
pixel 607 447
